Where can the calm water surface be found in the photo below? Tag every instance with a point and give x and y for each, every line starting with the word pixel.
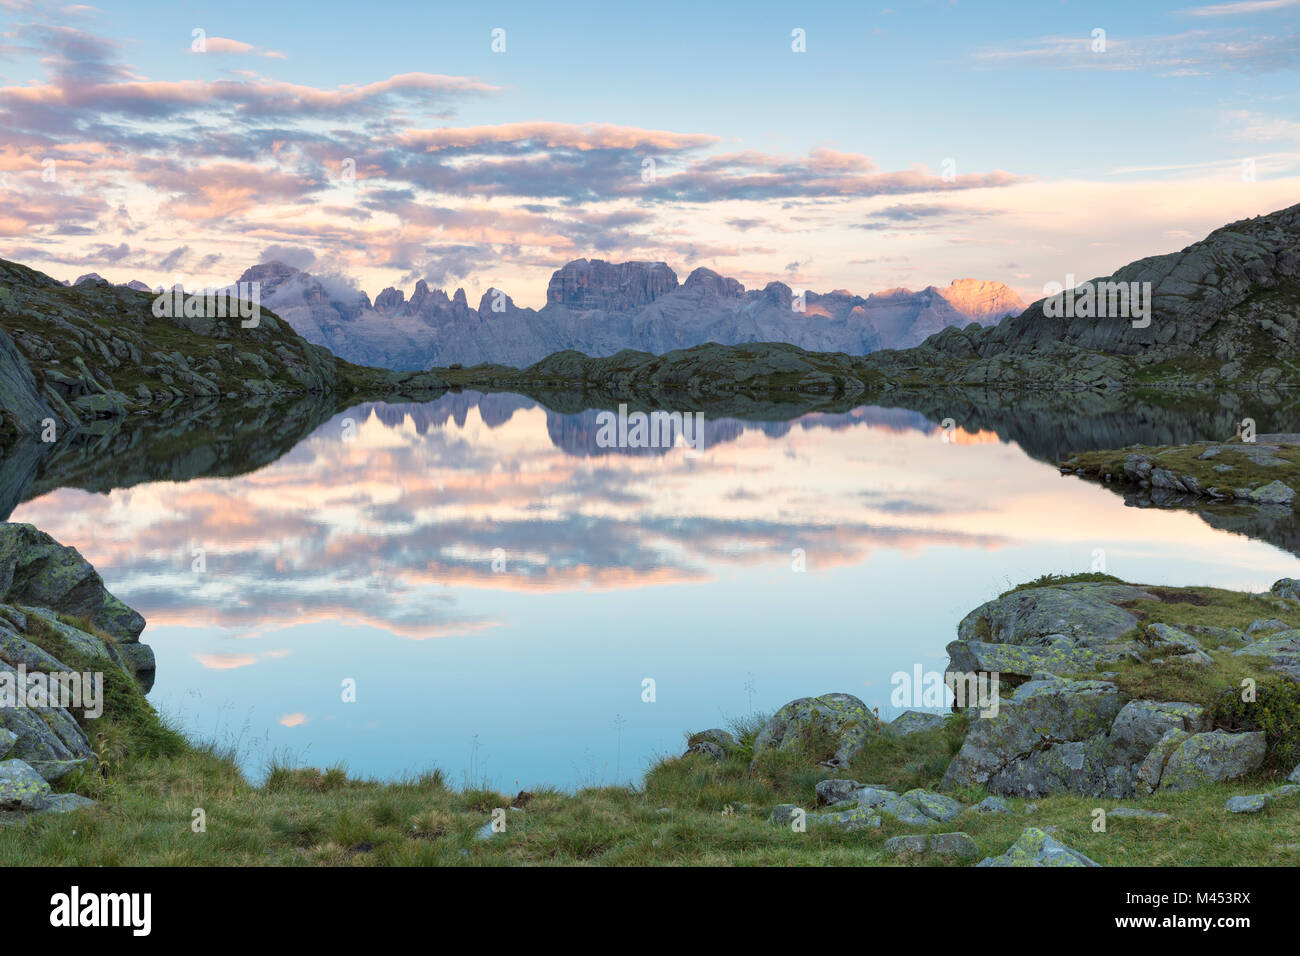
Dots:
pixel 498 587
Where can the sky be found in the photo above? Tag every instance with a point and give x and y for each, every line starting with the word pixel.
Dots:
pixel 853 146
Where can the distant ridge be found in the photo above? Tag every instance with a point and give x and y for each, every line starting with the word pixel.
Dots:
pixel 600 308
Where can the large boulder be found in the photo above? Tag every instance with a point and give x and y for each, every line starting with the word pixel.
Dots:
pixel 1086 614
pixel 1181 761
pixel 833 727
pixel 1012 753
pixel 1141 724
pixel 36 570
pixel 1057 654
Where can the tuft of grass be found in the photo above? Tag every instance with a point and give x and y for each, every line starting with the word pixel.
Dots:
pixel 1052 580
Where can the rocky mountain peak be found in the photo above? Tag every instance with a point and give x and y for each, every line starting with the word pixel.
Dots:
pixel 712 283
pixel 390 300
pixel 269 276
pixel 980 298
pixel 488 304
pixel 778 293
pixel 586 284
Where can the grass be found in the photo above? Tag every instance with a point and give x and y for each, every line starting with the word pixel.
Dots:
pixel 690 811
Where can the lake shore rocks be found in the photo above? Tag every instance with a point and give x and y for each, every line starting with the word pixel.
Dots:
pixel 43 586
pixel 1049 737
pixel 840 723
pixel 1180 761
pixel 1058 734
pixel 1263 472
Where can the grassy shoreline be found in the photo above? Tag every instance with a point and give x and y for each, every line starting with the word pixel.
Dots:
pixel 688 810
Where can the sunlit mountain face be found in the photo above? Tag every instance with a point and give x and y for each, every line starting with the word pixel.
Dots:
pixel 499 586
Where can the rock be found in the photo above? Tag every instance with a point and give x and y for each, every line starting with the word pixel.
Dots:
pixel 1086 614
pixel 991 805
pixel 1071 766
pixel 716 736
pixel 783 813
pixel 1036 848
pixel 1011 754
pixel 66 803
pixel 1181 646
pixel 1257 802
pixel 1295 775
pixel 37 570
pixel 1271 624
pixel 708 749
pixel 1273 493
pixel 902 845
pixel 913 722
pixel 21 787
pixel 22 407
pixel 1133 812
pixel 875 796
pixel 1141 723
pixel 1281 649
pixel 1181 761
pixel 1056 654
pixel 957 846
pixel 7 740
pixel 49 740
pixel 839 721
pixel 1288 588
pixel 1251 804
pixel 905 811
pixel 936 806
pixel 851 821
pixel 612 287
pixel 836 791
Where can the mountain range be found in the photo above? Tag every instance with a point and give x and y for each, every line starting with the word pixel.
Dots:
pixel 600 308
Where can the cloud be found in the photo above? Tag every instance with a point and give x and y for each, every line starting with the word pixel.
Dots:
pixel 234 48
pixel 299 257
pixel 377 177
pixel 1190 53
pixel 1241 8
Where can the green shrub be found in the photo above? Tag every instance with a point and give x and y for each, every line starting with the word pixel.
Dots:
pixel 1275 711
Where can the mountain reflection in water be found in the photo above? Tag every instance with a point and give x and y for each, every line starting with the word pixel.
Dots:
pixel 499 585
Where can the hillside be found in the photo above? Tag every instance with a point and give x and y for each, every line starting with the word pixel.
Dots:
pixel 1225 310
pixel 71 355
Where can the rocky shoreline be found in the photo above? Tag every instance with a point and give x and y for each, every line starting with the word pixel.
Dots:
pixel 52 601
pixel 1065 723
pixel 1264 471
